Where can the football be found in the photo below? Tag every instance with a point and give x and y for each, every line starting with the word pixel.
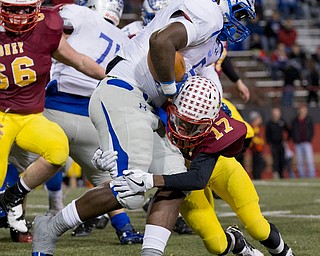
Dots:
pixel 179 67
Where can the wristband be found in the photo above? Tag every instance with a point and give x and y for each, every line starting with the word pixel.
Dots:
pixel 168 88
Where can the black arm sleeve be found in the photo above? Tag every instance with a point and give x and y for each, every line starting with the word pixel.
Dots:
pixel 228 70
pixel 196 178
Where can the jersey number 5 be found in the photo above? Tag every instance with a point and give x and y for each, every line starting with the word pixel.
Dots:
pixel 22 74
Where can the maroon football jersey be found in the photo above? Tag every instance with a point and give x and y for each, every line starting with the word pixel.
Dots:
pixel 226 137
pixel 25 62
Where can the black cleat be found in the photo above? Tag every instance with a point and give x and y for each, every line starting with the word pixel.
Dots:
pixel 181 227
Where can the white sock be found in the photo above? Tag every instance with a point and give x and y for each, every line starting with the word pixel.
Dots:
pixel 24 185
pixel 155 237
pixel 70 214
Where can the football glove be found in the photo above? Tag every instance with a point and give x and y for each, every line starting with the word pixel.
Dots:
pixel 106 161
pixel 132 182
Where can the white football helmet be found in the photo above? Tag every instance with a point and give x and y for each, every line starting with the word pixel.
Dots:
pixel 233 12
pixel 109 9
pixel 149 9
pixel 19 16
pixel 192 112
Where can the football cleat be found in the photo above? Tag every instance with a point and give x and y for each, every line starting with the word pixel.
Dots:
pixel 16 219
pixel 20 237
pixel 44 241
pixel 14 211
pixel 241 246
pixel 83 229
pixel 181 227
pixel 100 222
pixel 127 235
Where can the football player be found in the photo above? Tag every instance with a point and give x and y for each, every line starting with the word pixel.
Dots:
pixel 199 205
pixel 90 28
pixel 30 37
pixel 122 110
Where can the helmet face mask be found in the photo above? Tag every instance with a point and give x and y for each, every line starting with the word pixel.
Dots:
pixel 192 112
pixel 20 16
pixel 184 132
pixel 150 8
pixel 234 11
pixel 109 9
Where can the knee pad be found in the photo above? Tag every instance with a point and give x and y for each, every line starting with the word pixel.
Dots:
pixel 259 229
pixel 132 202
pixel 57 154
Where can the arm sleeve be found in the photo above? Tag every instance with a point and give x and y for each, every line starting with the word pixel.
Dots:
pixel 228 70
pixel 196 178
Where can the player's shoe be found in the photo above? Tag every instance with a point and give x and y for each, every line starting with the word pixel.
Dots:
pixel 100 222
pixel 44 241
pixel 241 245
pixel 85 228
pixel 14 211
pixel 20 237
pixel 181 227
pixel 127 235
pixel 16 219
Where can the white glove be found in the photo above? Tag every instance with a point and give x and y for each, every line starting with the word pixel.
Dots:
pixel 132 182
pixel 106 161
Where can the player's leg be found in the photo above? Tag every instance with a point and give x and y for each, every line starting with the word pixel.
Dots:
pixel 55 196
pixel 93 203
pixel 200 216
pixel 198 210
pixel 242 197
pixel 83 142
pixel 164 208
pixel 45 138
pixel 108 102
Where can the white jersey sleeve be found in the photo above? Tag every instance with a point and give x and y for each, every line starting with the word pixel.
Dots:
pixel 92 36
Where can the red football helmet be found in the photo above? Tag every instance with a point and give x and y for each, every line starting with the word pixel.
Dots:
pixel 192 112
pixel 19 15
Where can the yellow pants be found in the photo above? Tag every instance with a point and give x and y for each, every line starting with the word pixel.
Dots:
pixel 33 133
pixel 231 182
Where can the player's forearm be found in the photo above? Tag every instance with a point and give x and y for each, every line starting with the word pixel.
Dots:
pixel 91 68
pixel 228 70
pixel 196 178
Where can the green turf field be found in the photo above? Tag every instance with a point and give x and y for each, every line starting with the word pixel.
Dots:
pixel 293 205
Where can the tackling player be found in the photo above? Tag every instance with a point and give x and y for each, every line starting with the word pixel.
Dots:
pixel 121 109
pixel 30 37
